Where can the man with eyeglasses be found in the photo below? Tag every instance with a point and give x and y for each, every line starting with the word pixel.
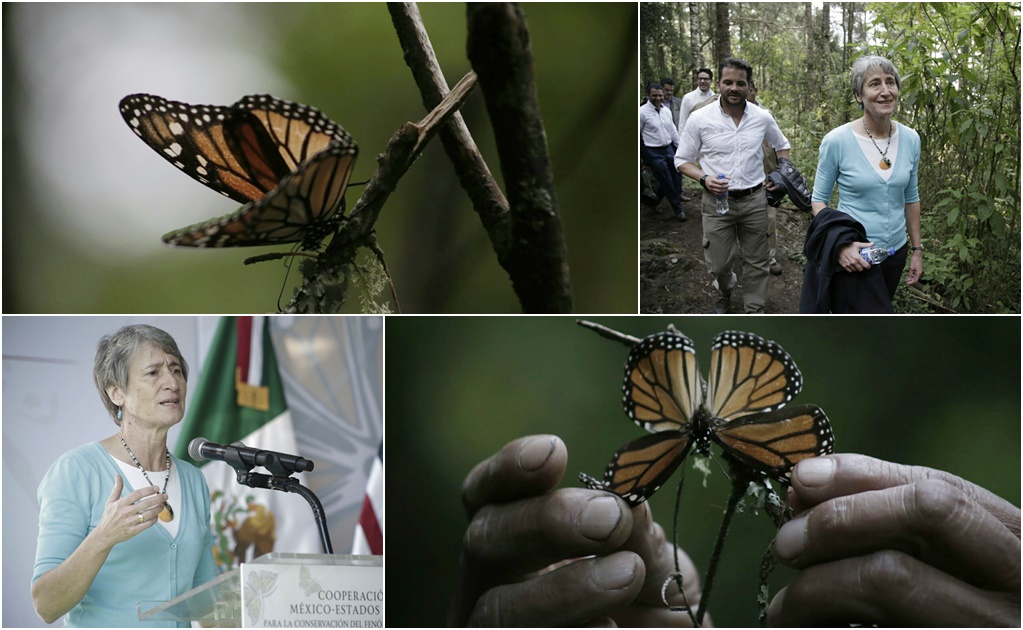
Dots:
pixel 702 93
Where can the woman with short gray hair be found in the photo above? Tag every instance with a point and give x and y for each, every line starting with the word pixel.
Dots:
pixel 100 553
pixel 874 161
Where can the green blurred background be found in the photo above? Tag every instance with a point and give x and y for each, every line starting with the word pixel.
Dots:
pixel 85 202
pixel 937 392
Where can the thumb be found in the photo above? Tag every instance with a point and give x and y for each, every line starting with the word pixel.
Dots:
pixel 118 486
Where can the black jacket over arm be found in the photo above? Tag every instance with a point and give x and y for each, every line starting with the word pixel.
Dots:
pixel 827 288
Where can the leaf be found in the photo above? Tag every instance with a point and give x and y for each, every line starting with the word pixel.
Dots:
pixel 952 216
pixel 985 209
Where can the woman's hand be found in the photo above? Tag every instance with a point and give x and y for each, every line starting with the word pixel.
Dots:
pixel 849 257
pixel 916 267
pixel 60 589
pixel 880 543
pixel 121 516
pixel 533 555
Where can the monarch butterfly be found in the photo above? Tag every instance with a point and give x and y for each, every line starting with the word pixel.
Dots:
pixel 740 408
pixel 287 162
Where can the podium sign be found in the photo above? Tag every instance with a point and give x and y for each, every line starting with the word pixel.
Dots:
pixel 284 590
pixel 313 591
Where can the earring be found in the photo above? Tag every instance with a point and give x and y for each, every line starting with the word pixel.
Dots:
pixel 118 414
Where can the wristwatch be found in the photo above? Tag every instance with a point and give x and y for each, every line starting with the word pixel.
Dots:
pixel 918 248
pixel 703 182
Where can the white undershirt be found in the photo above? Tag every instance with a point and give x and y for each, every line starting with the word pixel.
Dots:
pixel 873 154
pixel 134 477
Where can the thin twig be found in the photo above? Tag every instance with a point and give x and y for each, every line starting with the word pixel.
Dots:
pixel 472 171
pixel 715 556
pixel 536 258
pixel 608 333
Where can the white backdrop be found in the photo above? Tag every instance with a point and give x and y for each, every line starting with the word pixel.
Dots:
pixel 332 368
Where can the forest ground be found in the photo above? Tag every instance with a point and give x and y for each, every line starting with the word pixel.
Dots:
pixel 674 278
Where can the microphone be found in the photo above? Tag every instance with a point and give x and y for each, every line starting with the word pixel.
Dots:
pixel 281 464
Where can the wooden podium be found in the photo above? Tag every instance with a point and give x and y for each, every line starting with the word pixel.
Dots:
pixel 280 590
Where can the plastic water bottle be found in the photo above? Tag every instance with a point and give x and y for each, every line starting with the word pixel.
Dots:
pixel 721 206
pixel 875 255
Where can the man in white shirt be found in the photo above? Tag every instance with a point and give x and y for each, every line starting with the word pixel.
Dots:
pixel 702 93
pixel 726 137
pixel 672 102
pixel 658 139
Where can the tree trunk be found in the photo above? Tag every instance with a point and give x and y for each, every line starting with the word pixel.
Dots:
pixel 694 41
pixel 724 40
pixel 811 58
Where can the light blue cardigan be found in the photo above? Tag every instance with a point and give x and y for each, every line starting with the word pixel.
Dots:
pixel 879 205
pixel 152 566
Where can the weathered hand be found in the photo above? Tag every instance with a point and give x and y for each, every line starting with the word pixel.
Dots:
pixel 533 555
pixel 880 543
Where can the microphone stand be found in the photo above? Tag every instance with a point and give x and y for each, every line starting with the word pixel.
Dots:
pixel 280 480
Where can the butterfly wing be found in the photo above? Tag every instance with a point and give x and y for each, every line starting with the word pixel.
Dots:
pixel 749 375
pixel 641 467
pixel 663 387
pixel 304 207
pixel 197 139
pixel 287 162
pixel 773 442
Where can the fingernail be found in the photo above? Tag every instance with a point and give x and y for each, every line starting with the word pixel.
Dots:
pixel 599 518
pixel 791 539
pixel 816 471
pixel 535 452
pixel 775 608
pixel 615 572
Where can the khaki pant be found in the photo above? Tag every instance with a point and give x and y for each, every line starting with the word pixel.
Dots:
pixel 746 225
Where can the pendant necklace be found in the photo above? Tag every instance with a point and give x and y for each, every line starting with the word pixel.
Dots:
pixel 885 163
pixel 167 514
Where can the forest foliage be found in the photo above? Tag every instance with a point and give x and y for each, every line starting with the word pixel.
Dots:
pixel 959 66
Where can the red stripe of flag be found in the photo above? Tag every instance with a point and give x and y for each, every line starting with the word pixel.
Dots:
pixel 244 354
pixel 371 528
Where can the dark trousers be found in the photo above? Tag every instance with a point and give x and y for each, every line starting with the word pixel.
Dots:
pixel 870 291
pixel 661 161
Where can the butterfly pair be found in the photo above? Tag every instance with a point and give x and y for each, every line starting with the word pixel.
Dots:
pixel 739 407
pixel 287 162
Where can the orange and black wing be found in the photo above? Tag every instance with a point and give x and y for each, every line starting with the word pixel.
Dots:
pixel 287 162
pixel 663 387
pixel 201 141
pixel 773 442
pixel 642 466
pixel 306 206
pixel 749 375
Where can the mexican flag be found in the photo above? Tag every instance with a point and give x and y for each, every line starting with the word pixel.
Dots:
pixel 240 397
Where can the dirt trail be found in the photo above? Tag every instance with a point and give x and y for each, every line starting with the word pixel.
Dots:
pixel 674 278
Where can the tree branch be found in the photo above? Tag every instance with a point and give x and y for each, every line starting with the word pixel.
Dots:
pixel 536 258
pixel 473 173
pixel 325 285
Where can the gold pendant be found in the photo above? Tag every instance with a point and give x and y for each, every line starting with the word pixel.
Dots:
pixel 885 164
pixel 167 515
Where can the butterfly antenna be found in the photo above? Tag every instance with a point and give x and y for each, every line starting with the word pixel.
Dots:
pixel 723 471
pixel 608 333
pixel 287 274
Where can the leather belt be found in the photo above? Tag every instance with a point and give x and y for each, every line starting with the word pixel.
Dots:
pixel 739 194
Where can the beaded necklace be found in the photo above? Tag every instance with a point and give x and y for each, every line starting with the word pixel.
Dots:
pixel 885 163
pixel 167 514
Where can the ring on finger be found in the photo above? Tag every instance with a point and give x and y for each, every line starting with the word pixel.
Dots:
pixel 141 518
